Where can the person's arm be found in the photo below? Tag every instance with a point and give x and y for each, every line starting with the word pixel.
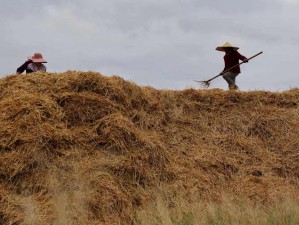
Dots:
pixel 23 67
pixel 242 57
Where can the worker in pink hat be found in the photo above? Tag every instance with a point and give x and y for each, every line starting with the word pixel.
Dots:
pixel 231 58
pixel 33 64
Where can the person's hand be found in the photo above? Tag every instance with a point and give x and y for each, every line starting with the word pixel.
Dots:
pixel 245 61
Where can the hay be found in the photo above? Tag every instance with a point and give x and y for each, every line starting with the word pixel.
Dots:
pixel 82 148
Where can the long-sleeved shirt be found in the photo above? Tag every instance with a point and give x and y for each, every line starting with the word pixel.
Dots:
pixel 30 67
pixel 231 59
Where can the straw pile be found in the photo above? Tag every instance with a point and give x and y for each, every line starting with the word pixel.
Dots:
pixel 82 148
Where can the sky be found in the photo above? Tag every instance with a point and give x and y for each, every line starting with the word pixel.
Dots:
pixel 165 44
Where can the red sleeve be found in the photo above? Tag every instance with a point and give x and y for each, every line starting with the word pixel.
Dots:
pixel 241 57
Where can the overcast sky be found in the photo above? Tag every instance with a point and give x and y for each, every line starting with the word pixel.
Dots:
pixel 162 43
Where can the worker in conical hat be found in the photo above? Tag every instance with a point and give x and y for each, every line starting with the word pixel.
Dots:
pixel 33 64
pixel 231 58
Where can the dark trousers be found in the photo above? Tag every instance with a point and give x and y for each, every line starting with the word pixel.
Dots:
pixel 231 79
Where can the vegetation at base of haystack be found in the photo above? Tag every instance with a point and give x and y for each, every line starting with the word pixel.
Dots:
pixel 82 148
pixel 226 212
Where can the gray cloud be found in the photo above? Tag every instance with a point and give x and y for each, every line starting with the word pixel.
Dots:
pixel 165 44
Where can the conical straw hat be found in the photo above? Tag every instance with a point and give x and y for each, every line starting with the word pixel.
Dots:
pixel 226 45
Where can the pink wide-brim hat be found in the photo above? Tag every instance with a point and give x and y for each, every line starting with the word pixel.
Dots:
pixel 37 57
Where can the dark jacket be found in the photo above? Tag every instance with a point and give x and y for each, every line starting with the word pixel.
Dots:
pixel 231 59
pixel 23 67
pixel 26 66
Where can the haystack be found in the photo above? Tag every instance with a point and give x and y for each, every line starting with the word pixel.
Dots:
pixel 83 148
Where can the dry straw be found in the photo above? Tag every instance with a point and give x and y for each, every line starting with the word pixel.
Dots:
pixel 82 148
